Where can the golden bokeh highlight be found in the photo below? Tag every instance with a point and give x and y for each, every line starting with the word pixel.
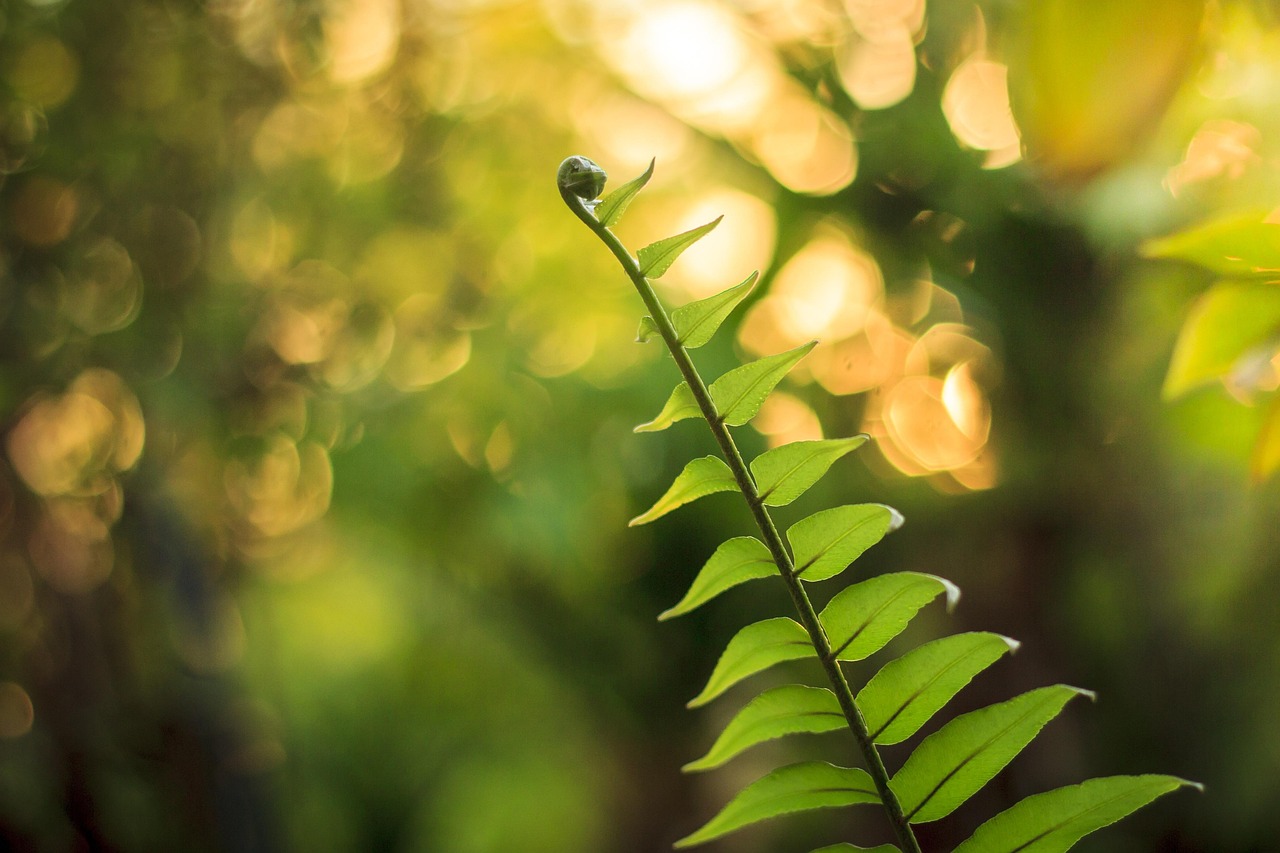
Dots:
pixel 1220 150
pixel 709 67
pixel 805 146
pixel 44 72
pixel 71 545
pixel 877 60
pixel 43 211
pixel 76 443
pixel 426 348
pixel 281 486
pixel 925 374
pixel 104 288
pixel 361 37
pixel 784 418
pixel 976 104
pixel 17 714
pixel 878 74
pixel 744 239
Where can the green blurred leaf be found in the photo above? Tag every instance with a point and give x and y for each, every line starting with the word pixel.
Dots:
pixel 787 710
pixel 610 209
pixel 1224 324
pixel 701 477
pixel 697 322
pixel 906 692
pixel 1089 82
pixel 739 394
pixel 736 561
pixel 796 788
pixel 953 763
pixel 785 473
pixel 754 649
pixel 647 330
pixel 862 618
pixel 1265 458
pixel 1054 821
pixel 1238 244
pixel 656 258
pixel 825 543
pixel 679 406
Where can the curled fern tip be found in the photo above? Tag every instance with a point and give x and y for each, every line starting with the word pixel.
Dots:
pixel 582 177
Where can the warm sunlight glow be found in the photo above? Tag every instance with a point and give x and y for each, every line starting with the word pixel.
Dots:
pixel 884 20
pixel 281 487
pixel 976 104
pixel 784 418
pixel 1220 149
pixel 920 424
pixel 742 241
pixel 805 147
pixel 879 74
pixel 827 290
pixel 684 51
pixel 362 36
pixel 865 361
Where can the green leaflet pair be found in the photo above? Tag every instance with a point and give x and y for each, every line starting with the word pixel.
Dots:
pixel 949 765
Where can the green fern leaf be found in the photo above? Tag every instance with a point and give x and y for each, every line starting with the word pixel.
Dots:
pixel 826 542
pixel 741 559
pixel 906 692
pixel 953 763
pixel 1237 244
pixel 740 392
pixel 754 649
pixel 610 209
pixel 796 788
pixel 862 618
pixel 679 406
pixel 1054 821
pixel 697 322
pixel 656 258
pixel 787 472
pixel 787 710
pixel 701 477
pixel 647 330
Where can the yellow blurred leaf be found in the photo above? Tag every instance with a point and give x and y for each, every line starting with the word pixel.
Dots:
pixel 1090 81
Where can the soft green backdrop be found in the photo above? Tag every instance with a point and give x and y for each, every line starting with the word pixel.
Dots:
pixel 318 404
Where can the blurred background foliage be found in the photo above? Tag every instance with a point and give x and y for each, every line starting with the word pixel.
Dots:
pixel 317 405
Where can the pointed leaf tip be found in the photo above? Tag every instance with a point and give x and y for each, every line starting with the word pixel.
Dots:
pixel 679 406
pixel 701 477
pixel 735 562
pixel 785 473
pixel 697 322
pixel 1052 822
pixel 656 258
pixel 754 649
pixel 956 761
pixel 610 208
pixel 863 618
pixel 739 393
pixel 907 692
pixel 826 542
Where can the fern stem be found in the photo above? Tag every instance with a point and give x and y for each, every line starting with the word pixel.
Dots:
pixel 768 530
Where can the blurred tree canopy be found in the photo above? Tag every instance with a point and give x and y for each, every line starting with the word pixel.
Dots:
pixel 318 407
